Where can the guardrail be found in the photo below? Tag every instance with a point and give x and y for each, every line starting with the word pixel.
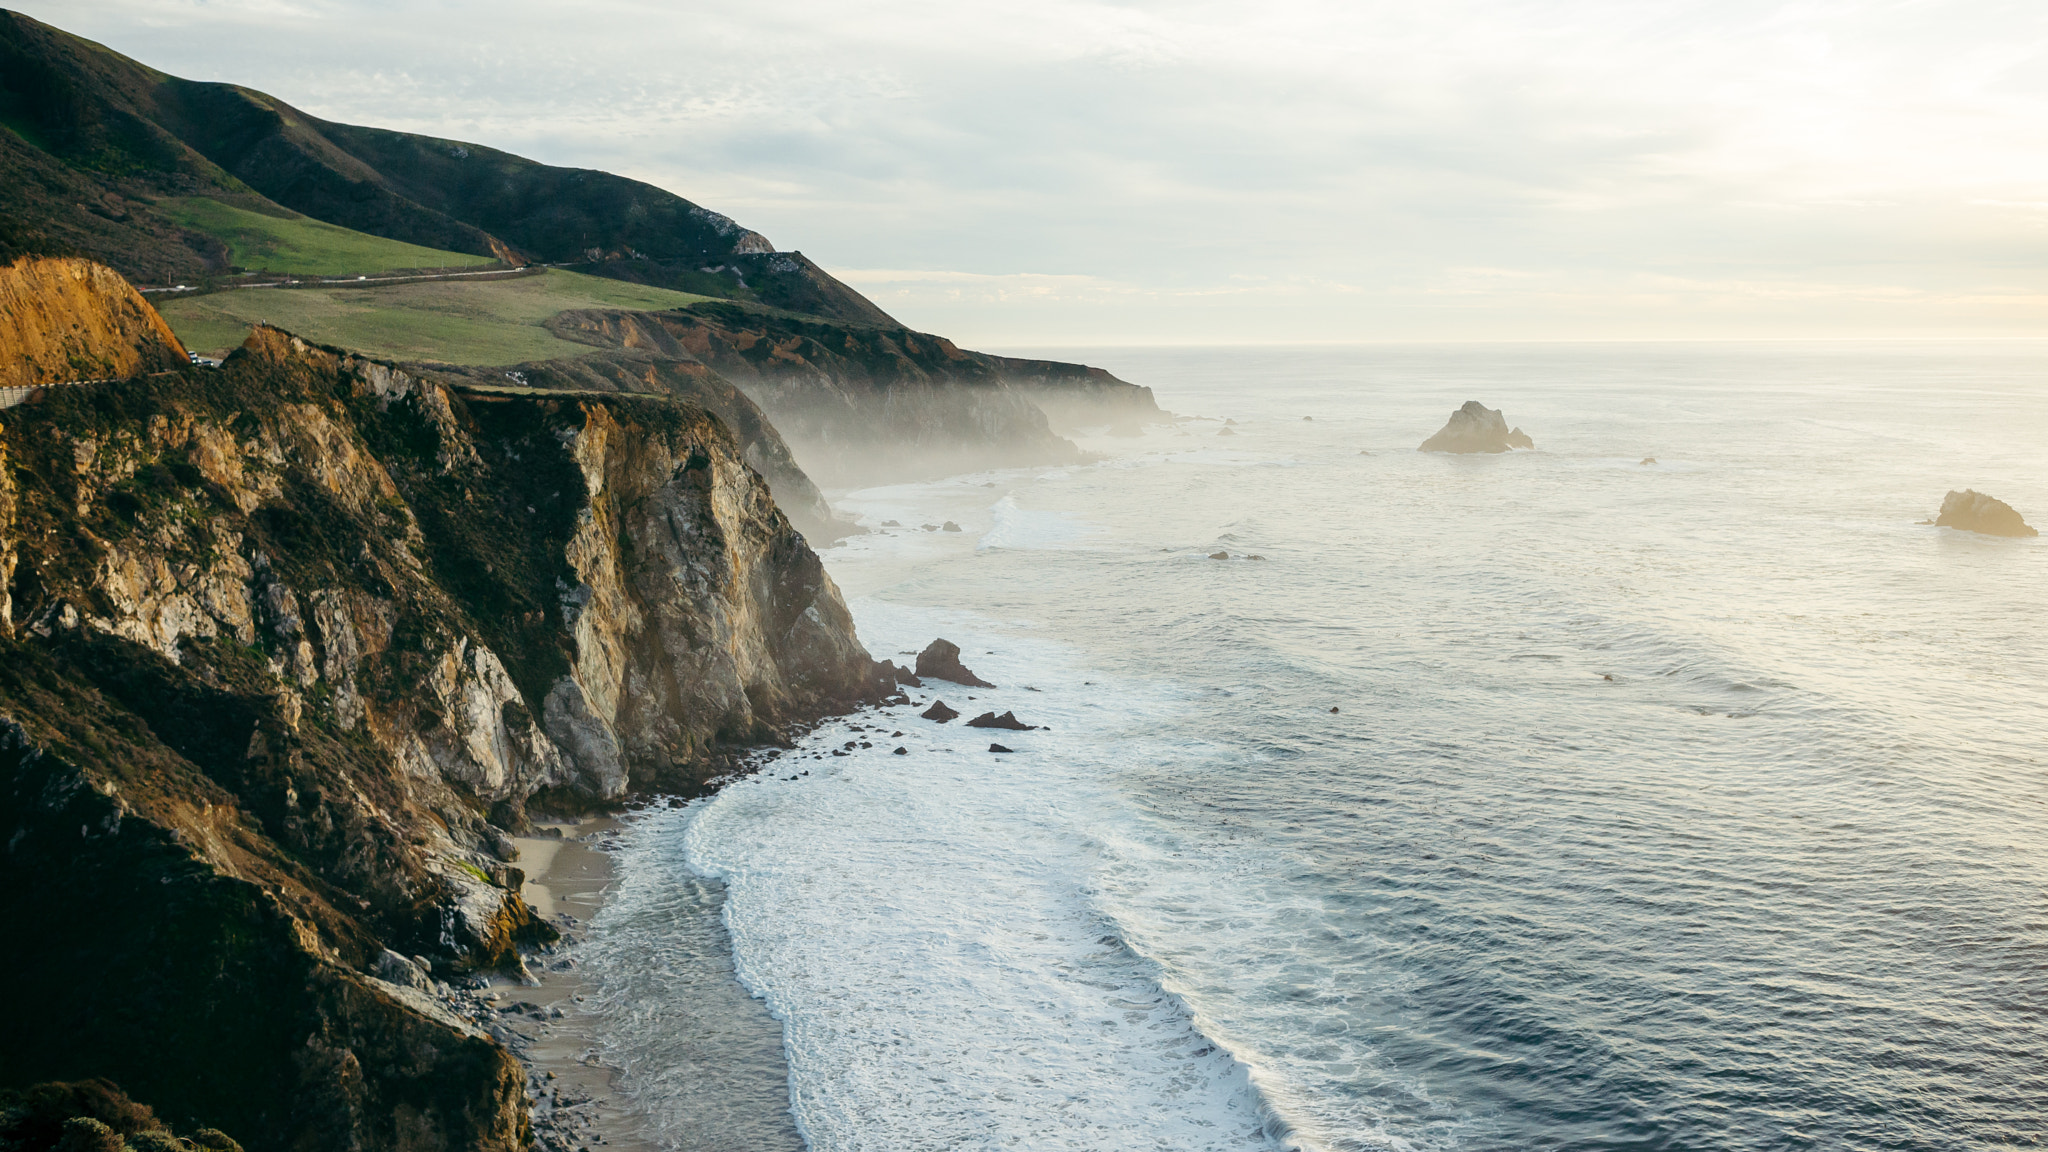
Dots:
pixel 9 397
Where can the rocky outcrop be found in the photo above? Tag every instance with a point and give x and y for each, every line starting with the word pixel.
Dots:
pixel 1973 511
pixel 1006 720
pixel 869 403
pixel 635 370
pixel 288 646
pixel 939 713
pixel 1476 428
pixel 941 660
pixel 63 320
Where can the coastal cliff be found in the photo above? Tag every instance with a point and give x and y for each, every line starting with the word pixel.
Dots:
pixel 867 403
pixel 287 648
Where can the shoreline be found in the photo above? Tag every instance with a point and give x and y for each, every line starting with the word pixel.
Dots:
pixel 549 1023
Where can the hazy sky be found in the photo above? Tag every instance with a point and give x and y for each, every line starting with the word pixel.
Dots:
pixel 1076 171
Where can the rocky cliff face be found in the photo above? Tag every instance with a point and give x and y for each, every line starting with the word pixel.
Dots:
pixel 64 319
pixel 636 370
pixel 862 403
pixel 285 649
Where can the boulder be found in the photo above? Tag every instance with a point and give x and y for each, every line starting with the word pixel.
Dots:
pixel 1219 555
pixel 1225 432
pixel 949 526
pixel 395 969
pixel 1973 511
pixel 902 751
pixel 903 675
pixel 1006 720
pixel 1476 428
pixel 1000 748
pixel 941 659
pixel 939 712
pixel 892 524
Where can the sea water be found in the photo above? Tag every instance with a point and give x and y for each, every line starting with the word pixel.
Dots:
pixel 1668 786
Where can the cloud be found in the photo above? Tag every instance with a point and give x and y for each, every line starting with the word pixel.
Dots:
pixel 1321 169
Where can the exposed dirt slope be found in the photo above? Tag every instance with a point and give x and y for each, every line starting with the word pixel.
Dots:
pixel 70 319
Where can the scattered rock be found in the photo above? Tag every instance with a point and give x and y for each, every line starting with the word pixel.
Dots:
pixel 1649 460
pixel 1000 748
pixel 1225 432
pixel 1973 511
pixel 891 524
pixel 1333 711
pixel 1255 556
pixel 939 712
pixel 929 527
pixel 1006 720
pixel 1230 423
pixel 942 660
pixel 1476 428
pixel 1219 555
pixel 1308 419
pixel 903 675
pixel 901 751
pixel 949 526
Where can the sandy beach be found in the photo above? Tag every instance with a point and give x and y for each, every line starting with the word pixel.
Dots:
pixel 551 1025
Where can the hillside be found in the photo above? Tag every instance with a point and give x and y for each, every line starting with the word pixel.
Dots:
pixel 92 127
pixel 64 320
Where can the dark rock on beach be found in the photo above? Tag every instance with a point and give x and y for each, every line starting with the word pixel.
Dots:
pixel 1973 511
pixel 939 712
pixel 942 660
pixel 1006 720
pixel 1476 428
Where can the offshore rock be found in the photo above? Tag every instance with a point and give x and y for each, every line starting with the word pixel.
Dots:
pixel 941 660
pixel 1476 428
pixel 1973 511
pixel 1000 748
pixel 939 712
pixel 1006 720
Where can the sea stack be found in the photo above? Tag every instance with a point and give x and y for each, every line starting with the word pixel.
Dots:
pixel 941 660
pixel 1476 428
pixel 1973 511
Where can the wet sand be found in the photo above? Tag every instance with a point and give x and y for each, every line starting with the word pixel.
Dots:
pixel 552 1026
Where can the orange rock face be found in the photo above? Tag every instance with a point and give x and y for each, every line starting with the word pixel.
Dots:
pixel 67 319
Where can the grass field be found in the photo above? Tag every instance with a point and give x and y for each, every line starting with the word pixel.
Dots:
pixel 447 321
pixel 303 246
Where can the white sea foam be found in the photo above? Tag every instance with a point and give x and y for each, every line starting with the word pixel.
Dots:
pixel 926 928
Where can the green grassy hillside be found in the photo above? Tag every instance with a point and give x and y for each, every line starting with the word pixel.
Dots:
pixel 302 245
pixel 445 321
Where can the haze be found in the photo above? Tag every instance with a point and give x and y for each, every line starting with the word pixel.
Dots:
pixel 1072 172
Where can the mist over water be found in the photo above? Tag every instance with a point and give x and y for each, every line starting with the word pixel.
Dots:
pixel 1693 805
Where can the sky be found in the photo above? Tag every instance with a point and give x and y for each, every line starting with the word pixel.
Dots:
pixel 1081 172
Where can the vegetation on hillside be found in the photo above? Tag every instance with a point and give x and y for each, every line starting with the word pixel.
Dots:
pixel 301 245
pixel 447 321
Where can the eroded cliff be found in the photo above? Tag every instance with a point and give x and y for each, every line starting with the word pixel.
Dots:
pixel 287 647
pixel 68 319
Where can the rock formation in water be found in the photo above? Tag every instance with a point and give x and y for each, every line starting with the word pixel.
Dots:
pixel 287 647
pixel 941 659
pixel 1476 428
pixel 1973 511
pixel 939 713
pixel 1006 720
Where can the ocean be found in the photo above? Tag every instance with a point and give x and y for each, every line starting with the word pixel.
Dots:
pixel 1558 799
